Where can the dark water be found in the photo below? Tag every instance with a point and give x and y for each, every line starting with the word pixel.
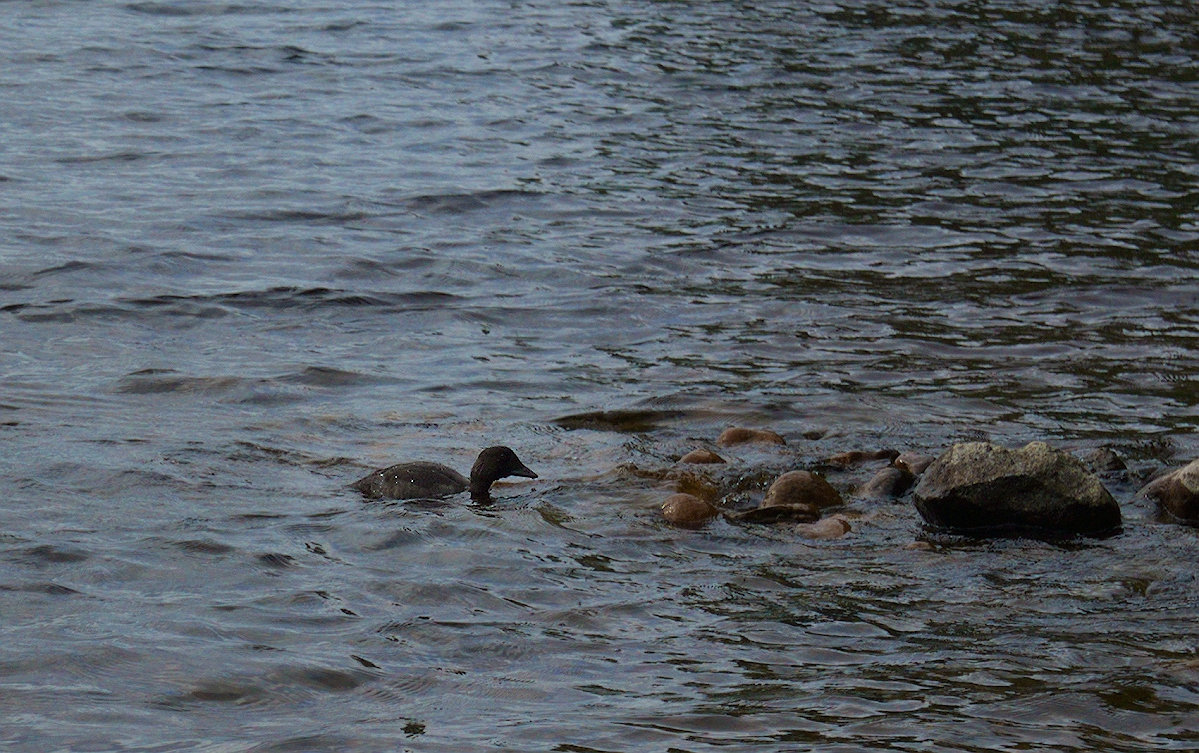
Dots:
pixel 249 250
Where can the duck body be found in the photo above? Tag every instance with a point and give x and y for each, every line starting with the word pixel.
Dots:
pixel 424 480
pixel 416 480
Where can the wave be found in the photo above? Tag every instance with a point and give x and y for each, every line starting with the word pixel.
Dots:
pixel 277 298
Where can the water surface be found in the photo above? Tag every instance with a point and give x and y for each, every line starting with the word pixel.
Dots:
pixel 248 252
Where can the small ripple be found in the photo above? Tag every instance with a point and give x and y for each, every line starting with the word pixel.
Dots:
pixel 461 202
pixel 204 546
pixel 326 376
pixel 124 156
pixel 154 381
pixel 48 588
pixel 49 554
pixel 304 216
pixel 213 306
pixel 277 560
pixel 151 8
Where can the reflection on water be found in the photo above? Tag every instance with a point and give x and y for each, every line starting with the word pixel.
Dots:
pixel 251 252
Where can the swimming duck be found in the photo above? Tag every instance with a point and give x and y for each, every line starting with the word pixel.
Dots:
pixel 424 480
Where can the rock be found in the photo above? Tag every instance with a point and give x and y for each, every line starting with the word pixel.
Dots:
pixel 696 484
pixel 687 510
pixel 888 483
pixel 857 457
pixel 738 435
pixel 1104 460
pixel 801 487
pixel 1178 493
pixel 978 488
pixel 787 513
pixel 913 462
pixel 700 457
pixel 832 527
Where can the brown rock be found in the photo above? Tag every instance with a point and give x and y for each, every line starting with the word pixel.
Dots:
pixel 801 487
pixel 1104 460
pixel 832 527
pixel 687 510
pixel 888 483
pixel 913 462
pixel 739 435
pixel 700 457
pixel 1178 493
pixel 696 484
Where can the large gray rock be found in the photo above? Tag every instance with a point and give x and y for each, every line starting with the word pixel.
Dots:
pixel 979 488
pixel 1178 493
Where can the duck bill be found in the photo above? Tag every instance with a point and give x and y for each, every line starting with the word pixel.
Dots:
pixel 524 471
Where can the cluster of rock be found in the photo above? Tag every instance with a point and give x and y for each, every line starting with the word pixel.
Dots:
pixel 798 497
pixel 973 488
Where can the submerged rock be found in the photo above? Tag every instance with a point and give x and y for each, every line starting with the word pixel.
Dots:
pixel 978 488
pixel 1104 460
pixel 1178 493
pixel 738 435
pixel 688 510
pixel 832 527
pixel 913 462
pixel 889 483
pixel 701 457
pixel 794 497
pixel 803 488
pixel 777 514
pixel 857 457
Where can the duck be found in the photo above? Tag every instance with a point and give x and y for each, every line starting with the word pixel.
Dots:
pixel 424 480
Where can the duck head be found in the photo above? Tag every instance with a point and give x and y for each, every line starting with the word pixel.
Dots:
pixel 495 463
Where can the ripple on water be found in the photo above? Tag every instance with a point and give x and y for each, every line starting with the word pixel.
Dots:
pixel 274 243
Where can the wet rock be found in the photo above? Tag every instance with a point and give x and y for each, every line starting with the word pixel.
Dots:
pixel 1178 493
pixel 784 513
pixel 697 484
pixel 857 457
pixel 889 483
pixel 832 527
pixel 1103 460
pixel 913 462
pixel 687 510
pixel 701 457
pixel 978 488
pixel 801 487
pixel 738 435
